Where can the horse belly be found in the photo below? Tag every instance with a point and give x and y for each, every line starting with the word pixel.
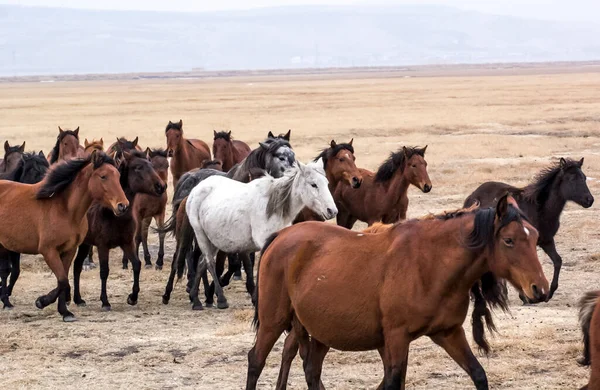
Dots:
pixel 228 231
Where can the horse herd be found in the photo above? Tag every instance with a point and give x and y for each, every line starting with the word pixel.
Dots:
pixel 325 285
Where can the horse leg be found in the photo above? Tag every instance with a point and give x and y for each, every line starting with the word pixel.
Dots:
pixel 191 261
pixel 550 249
pixel 15 270
pixel 194 292
pixel 136 264
pixel 103 253
pixel 82 253
pixel 265 339
pixel 237 272
pixel 89 264
pixel 169 287
pixel 209 296
pixel 313 364
pixel 4 272
pixel 456 345
pixel 394 355
pixel 54 261
pixel 223 279
pixel 290 349
pixel 143 238
pixel 249 270
pixel 210 259
pixel 403 369
pixel 160 222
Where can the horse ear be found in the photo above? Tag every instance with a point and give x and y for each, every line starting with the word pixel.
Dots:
pixel 170 123
pixel 270 135
pixel 264 145
pixel 6 146
pixel 41 154
pixel 215 133
pixel 287 135
pixel 502 206
pixel 148 152
pixel 60 131
pixel 76 131
pixel 350 143
pixel 135 142
pixel 22 147
pixel 333 144
pixel 580 163
pixel 86 143
pixel 405 151
pixel 101 142
pixel 424 149
pixel 563 163
pixel 181 124
pixel 229 133
pixel 319 164
pixel 126 155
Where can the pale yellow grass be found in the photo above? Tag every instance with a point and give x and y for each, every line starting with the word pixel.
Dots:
pixel 477 128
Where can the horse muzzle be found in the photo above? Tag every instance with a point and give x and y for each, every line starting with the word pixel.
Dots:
pixel 356 182
pixel 588 201
pixel 120 209
pixel 160 188
pixel 426 188
pixel 170 152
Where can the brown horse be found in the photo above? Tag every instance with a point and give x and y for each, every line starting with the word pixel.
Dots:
pixel 67 146
pixel 360 291
pixel 89 147
pixel 543 201
pixel 186 154
pixel 383 196
pixel 116 149
pixel 145 207
pixel 228 150
pixel 339 165
pixel 12 156
pixel 54 215
pixel 211 164
pixel 589 319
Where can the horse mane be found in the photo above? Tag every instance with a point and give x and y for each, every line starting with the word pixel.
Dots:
pixel 158 152
pixel 174 126
pixel 226 135
pixel 587 305
pixel 539 191
pixel 328 153
pixel 56 148
pixel 256 158
pixel 378 227
pixel 280 197
pixel 123 168
pixel 397 160
pixel 62 175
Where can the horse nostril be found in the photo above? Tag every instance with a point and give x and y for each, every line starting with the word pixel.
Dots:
pixel 590 201
pixel 121 208
pixel 537 293
pixel 426 188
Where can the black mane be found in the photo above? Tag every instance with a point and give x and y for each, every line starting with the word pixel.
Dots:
pixel 61 135
pixel 59 178
pixel 158 152
pixel 538 191
pixel 328 153
pixel 397 160
pixel 174 126
pixel 30 159
pixel 226 135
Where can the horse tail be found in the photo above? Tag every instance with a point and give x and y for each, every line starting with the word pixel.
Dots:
pixel 255 321
pixel 488 293
pixel 587 304
pixel 170 226
pixel 185 236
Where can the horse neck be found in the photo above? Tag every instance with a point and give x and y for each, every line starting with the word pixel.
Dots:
pixel 229 160
pixel 553 206
pixel 395 189
pixel 77 197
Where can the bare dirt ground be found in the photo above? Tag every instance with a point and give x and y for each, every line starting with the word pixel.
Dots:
pixel 478 128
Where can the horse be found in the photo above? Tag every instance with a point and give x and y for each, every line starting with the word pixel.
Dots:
pixel 285 137
pixel 383 196
pixel 12 156
pixel 356 291
pixel 228 150
pixel 186 154
pixel 67 146
pixel 272 157
pixel 88 146
pixel 108 230
pixel 589 321
pixel 30 169
pixel 210 164
pixel 225 215
pixel 116 149
pixel 339 164
pixel 54 216
pixel 543 201
pixel 145 207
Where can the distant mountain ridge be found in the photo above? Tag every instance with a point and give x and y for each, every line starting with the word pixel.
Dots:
pixel 36 40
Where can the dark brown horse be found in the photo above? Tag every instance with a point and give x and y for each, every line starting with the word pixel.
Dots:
pixel 228 150
pixel 116 149
pixel 67 146
pixel 211 164
pixel 53 215
pixel 589 319
pixel 339 165
pixel 89 147
pixel 542 202
pixel 186 154
pixel 108 230
pixel 383 196
pixel 145 207
pixel 12 156
pixel 358 291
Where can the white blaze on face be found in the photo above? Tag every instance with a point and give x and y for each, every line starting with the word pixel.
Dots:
pixel 526 231
pixel 348 156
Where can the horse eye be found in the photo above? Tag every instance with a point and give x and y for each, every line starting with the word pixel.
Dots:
pixel 102 177
pixel 342 159
pixel 282 158
pixel 314 185
pixel 509 242
pixel 414 165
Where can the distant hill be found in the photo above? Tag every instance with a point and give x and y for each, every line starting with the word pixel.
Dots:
pixel 35 40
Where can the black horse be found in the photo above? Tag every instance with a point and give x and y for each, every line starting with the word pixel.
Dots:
pixel 542 202
pixel 30 169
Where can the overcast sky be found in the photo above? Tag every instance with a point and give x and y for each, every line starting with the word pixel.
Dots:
pixel 564 10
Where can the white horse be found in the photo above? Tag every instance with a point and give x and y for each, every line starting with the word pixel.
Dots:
pixel 230 216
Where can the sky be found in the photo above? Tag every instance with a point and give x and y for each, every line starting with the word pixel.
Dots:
pixel 562 10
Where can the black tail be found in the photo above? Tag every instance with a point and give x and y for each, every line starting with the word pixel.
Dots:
pixel 488 293
pixel 185 237
pixel 587 304
pixel 170 226
pixel 255 322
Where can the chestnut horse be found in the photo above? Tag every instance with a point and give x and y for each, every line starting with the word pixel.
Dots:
pixel 89 147
pixel 108 230
pixel 186 154
pixel 145 207
pixel 361 291
pixel 53 215
pixel 589 319
pixel 339 164
pixel 12 156
pixel 542 202
pixel 383 196
pixel 228 150
pixel 67 146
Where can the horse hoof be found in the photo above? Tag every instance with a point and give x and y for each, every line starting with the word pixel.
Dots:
pixel 8 306
pixel 39 304
pixel 235 277
pixel 222 305
pixel 81 303
pixel 125 267
pixel 148 266
pixel 165 300
pixel 69 318
pixel 158 267
pixel 131 301
pixel 106 308
pixel 208 304
pixel 197 307
pixel 187 290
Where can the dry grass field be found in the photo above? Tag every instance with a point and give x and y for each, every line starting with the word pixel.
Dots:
pixel 478 128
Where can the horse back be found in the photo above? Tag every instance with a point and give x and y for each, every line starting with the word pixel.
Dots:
pixel 242 148
pixel 200 145
pixel 488 193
